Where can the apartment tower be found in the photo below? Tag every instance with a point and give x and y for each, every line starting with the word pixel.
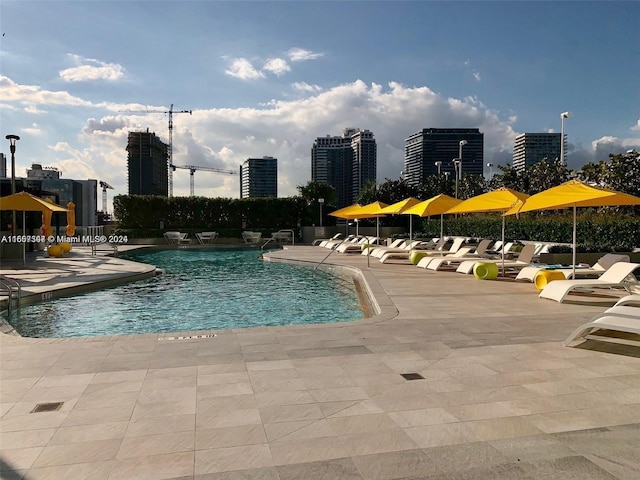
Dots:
pixel 530 148
pixel 433 150
pixel 259 177
pixel 147 164
pixel 346 162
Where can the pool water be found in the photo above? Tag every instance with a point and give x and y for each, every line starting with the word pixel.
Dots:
pixel 202 289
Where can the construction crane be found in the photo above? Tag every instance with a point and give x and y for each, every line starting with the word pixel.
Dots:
pixel 192 170
pixel 104 186
pixel 170 166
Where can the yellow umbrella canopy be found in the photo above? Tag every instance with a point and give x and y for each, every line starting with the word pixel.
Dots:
pixel 71 219
pixel 346 212
pixel 573 194
pixel 434 206
pixel 401 206
pixel 28 203
pixel 437 205
pixel 499 200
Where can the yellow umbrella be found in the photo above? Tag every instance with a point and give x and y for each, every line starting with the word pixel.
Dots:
pixel 400 207
pixel 346 212
pixel 27 203
pixel 573 194
pixel 437 205
pixel 46 228
pixel 372 210
pixel 71 219
pixel 499 200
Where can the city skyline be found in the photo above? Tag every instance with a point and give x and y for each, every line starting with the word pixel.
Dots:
pixel 73 72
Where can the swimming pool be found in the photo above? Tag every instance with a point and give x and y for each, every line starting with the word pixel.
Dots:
pixel 202 289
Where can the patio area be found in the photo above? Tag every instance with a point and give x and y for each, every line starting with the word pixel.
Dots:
pixel 454 378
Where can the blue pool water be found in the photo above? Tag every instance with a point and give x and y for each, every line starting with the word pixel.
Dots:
pixel 201 290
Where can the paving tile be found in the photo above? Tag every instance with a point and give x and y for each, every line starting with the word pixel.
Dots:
pixel 154 467
pixel 334 469
pixel 570 468
pixel 161 425
pixel 232 458
pixel 92 470
pixel 84 452
pixel 266 473
pixel 208 438
pixel 88 433
pixel 395 465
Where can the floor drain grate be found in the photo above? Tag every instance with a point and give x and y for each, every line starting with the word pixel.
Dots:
pixel 412 376
pixel 47 407
pixel 187 337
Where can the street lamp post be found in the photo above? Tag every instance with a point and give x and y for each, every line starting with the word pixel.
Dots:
pixel 438 164
pixel 490 165
pixel 457 168
pixel 563 115
pixel 321 202
pixel 12 148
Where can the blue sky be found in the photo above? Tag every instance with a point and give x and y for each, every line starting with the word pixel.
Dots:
pixel 267 78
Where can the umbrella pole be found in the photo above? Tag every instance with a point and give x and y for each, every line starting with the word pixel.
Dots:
pixel 24 244
pixel 503 221
pixel 410 228
pixel 442 230
pixel 574 241
pixel 378 228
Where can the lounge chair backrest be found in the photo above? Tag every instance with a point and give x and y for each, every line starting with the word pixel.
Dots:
pixel 455 246
pixel 482 246
pixel 618 272
pixel 527 252
pixel 462 252
pixel 497 246
pixel 609 259
pixel 397 243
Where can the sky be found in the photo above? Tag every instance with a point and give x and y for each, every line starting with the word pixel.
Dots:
pixel 267 78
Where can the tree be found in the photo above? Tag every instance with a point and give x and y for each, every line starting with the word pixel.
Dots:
pixel 546 174
pixel 314 190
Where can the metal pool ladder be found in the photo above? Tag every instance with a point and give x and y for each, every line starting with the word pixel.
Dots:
pixel 14 290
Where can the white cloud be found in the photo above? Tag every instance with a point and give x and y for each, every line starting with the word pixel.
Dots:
pixel 277 66
pixel 296 54
pixel 636 127
pixel 33 130
pixel 305 87
pixel 31 95
pixel 91 69
pixel 241 68
pixel 476 75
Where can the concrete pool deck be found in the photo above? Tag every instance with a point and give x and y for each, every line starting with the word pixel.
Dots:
pixel 501 397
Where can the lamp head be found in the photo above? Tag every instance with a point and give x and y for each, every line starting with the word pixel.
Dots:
pixel 489 165
pixel 12 139
pixel 565 114
pixel 463 142
pixel 438 163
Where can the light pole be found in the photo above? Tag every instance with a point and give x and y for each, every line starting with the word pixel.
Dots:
pixel 490 165
pixel 438 164
pixel 320 202
pixel 12 148
pixel 563 115
pixel 457 166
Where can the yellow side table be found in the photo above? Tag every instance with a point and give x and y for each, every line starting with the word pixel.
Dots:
pixel 485 270
pixel 545 276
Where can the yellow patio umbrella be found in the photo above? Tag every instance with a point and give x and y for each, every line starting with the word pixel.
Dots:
pixel 437 205
pixel 573 194
pixel 372 210
pixel 346 212
pixel 46 229
pixel 71 219
pixel 399 207
pixel 500 200
pixel 26 202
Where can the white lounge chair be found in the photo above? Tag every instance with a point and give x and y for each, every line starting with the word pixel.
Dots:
pixel 207 237
pixel 402 249
pixel 357 247
pixel 524 259
pixel 177 238
pixel 597 269
pixel 455 246
pixel 320 241
pixel 397 243
pixel 619 275
pixel 633 299
pixel 627 321
pixel 251 237
pixel 452 261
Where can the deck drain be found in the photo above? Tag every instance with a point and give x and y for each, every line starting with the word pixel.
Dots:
pixel 412 376
pixel 187 337
pixel 47 407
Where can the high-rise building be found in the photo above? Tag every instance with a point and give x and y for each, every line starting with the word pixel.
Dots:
pixel 433 150
pixel 259 177
pixel 3 165
pixel 147 164
pixel 346 162
pixel 530 148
